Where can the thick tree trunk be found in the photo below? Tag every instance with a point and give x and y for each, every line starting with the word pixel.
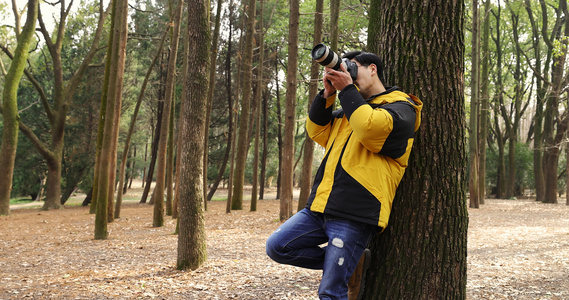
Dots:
pixel 242 141
pixel 422 254
pixel 9 107
pixel 191 238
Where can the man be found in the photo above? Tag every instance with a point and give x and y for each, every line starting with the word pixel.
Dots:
pixel 367 143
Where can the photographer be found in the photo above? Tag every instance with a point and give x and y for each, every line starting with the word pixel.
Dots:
pixel 368 142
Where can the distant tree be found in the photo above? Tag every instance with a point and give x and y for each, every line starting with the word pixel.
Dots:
pixel 9 104
pixel 422 253
pixel 64 88
pixel 242 140
pixel 191 238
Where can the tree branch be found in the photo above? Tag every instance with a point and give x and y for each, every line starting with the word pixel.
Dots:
pixel 40 146
pixel 76 78
pixel 37 86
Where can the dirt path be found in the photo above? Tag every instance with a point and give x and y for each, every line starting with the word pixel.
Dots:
pixel 517 250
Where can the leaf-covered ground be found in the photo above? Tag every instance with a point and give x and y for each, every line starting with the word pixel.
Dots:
pixel 517 249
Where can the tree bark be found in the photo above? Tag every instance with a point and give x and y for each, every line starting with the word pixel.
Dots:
pixel 9 107
pixel 422 254
pixel 191 239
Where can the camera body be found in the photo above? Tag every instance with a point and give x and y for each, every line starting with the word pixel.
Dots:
pixel 328 58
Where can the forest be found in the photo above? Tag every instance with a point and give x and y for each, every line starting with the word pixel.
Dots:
pixel 195 102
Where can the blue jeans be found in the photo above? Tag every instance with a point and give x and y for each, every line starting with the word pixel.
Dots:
pixel 297 242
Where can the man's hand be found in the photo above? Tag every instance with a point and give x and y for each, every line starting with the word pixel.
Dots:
pixel 336 80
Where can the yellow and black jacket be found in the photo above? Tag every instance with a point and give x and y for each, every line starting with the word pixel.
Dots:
pixel 367 148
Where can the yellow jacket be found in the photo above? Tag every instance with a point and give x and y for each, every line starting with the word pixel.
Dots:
pixel 367 143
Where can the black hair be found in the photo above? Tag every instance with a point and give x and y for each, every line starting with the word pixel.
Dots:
pixel 366 59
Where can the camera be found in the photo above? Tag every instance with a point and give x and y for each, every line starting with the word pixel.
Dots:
pixel 328 58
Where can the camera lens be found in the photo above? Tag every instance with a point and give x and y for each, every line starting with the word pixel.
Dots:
pixel 319 51
pixel 326 57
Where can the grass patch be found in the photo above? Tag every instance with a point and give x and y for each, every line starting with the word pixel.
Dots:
pixel 20 200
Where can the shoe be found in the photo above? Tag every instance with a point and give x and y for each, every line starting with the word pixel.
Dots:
pixel 356 283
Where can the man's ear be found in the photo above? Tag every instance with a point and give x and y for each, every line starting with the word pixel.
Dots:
pixel 373 69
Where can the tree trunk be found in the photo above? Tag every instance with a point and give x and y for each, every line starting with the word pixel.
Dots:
pixel 558 83
pixel 473 140
pixel 279 130
pixel 538 118
pixel 484 103
pixel 63 92
pixel 153 152
pixel 501 184
pixel 158 216
pixel 242 141
pixel 117 60
pixel 191 238
pixel 334 20
pixel 230 133
pixel 265 144
pixel 258 96
pixel 9 107
pixel 306 177
pixel 422 254
pixel 288 151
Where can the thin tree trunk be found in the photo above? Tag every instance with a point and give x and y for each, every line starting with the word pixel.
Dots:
pixel 170 164
pixel 180 141
pixel 288 151
pixel 422 253
pixel 117 61
pixel 258 96
pixel 153 151
pixel 484 103
pixel 191 239
pixel 306 176
pixel 9 107
pixel 211 87
pixel 132 123
pixel 473 140
pixel 158 216
pixel 230 133
pixel 279 130
pixel 242 141
pixel 265 144
pixel 334 20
